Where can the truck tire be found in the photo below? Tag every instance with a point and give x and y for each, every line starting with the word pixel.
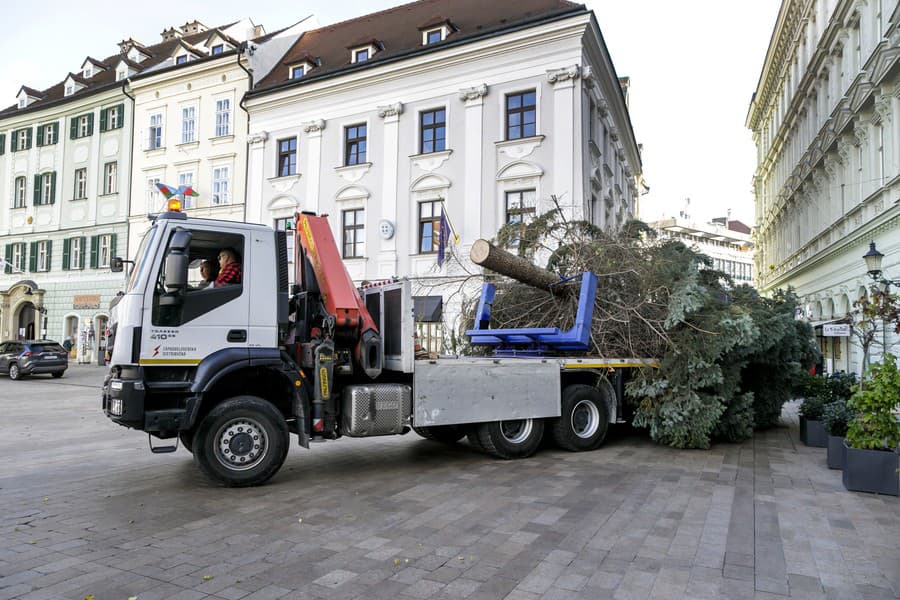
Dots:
pixel 446 434
pixel 241 442
pixel 584 419
pixel 510 439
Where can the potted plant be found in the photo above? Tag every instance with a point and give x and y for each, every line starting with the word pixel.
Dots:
pixel 812 432
pixel 836 417
pixel 873 435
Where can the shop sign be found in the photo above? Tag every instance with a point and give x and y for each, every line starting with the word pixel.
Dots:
pixel 836 330
pixel 86 301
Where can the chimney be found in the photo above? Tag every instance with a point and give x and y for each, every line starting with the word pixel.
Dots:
pixel 172 33
pixel 194 26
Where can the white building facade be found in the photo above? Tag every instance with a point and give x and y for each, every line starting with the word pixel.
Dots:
pixel 826 121
pixel 731 250
pixel 486 128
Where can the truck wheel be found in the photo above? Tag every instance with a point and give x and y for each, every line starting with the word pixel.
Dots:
pixel 187 440
pixel 446 434
pixel 584 419
pixel 241 442
pixel 511 439
pixel 14 372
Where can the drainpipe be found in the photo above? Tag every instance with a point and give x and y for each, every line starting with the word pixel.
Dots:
pixel 245 47
pixel 125 83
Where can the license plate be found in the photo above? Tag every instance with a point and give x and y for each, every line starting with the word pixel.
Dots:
pixel 50 358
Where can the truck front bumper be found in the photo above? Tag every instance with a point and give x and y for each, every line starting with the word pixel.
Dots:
pixel 125 402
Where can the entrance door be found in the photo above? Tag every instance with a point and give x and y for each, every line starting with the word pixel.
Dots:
pixel 25 330
pixel 101 326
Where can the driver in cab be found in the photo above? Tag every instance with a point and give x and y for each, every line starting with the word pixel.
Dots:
pixel 230 270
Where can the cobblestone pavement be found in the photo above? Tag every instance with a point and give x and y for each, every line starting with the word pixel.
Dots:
pixel 88 510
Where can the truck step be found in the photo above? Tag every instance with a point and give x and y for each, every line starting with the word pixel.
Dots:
pixel 161 449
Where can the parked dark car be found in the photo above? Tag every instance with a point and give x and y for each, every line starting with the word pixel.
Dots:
pixel 32 357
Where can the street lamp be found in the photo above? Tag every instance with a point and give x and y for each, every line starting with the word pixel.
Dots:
pixel 873 260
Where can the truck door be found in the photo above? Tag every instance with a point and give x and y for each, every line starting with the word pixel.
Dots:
pixel 183 325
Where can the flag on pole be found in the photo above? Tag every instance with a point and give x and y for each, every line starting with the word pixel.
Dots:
pixel 444 238
pixel 187 190
pixel 167 190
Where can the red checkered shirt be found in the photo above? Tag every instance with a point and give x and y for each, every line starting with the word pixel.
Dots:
pixel 230 273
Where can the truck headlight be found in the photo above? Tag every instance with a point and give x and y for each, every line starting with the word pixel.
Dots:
pixel 115 406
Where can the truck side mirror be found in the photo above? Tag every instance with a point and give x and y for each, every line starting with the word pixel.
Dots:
pixel 116 264
pixel 177 261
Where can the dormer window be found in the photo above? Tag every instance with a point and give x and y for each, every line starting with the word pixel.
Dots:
pixel 23 102
pixel 433 36
pixel 180 60
pixel 121 74
pixel 217 49
pixel 362 55
pixel 70 89
pixel 298 71
pixel 436 30
pixel 87 73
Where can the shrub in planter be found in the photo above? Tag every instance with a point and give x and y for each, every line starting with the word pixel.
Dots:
pixel 835 417
pixel 873 435
pixel 812 432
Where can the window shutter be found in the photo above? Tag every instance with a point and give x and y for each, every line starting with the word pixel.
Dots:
pixel 2 143
pixel 73 128
pixel 32 257
pixel 67 251
pixel 8 268
pixel 83 247
pixel 103 121
pixel 120 108
pixel 40 136
pixel 28 139
pixel 90 123
pixel 49 254
pixel 95 250
pixel 53 187
pixel 112 245
pixel 55 128
pixel 14 141
pixel 37 190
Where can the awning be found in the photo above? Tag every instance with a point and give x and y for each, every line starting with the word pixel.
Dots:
pixel 816 324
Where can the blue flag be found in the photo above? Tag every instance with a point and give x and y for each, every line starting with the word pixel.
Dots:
pixel 443 239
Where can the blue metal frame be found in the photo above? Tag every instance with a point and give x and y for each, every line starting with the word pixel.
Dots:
pixel 535 341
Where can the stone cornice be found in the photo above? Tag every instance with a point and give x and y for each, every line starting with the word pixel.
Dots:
pixel 390 110
pixel 473 93
pixel 314 126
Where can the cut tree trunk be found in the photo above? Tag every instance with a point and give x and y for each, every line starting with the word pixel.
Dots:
pixel 491 257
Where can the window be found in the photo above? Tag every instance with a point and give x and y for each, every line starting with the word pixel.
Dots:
pixel 520 115
pixel 434 36
pixel 43 256
pixel 156 129
pixel 70 89
pixel 433 127
pixel 354 236
pixel 298 72
pixel 80 184
pixel 220 185
pixel 361 55
pixel 18 256
pixel 188 125
pixel 520 209
pixel 121 74
pixel 103 247
pixel 181 59
pixel 186 179
pixel 87 73
pixel 112 117
pixel 153 195
pixel 45 188
pixel 223 117
pixel 218 49
pixel 429 226
pixel 47 134
pixel 355 144
pixel 110 178
pixel 287 157
pixel 23 102
pixel 73 253
pixel 19 193
pixel 84 124
pixel 21 140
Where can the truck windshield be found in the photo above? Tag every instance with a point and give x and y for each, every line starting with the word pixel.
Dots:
pixel 141 261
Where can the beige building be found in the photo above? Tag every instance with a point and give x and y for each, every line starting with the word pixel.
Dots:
pixel 826 121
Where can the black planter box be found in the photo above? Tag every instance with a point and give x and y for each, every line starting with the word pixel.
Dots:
pixel 812 433
pixel 836 453
pixel 872 471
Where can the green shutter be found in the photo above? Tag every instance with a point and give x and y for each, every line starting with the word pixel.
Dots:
pixel 82 247
pixel 40 135
pixel 95 250
pixel 32 257
pixel 37 190
pixel 28 139
pixel 90 123
pixel 8 268
pixel 53 187
pixel 14 141
pixel 67 251
pixel 103 120
pixel 2 143
pixel 120 108
pixel 49 254
pixel 112 245
pixel 73 128
pixel 55 128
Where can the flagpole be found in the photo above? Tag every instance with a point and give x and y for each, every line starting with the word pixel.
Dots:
pixel 449 222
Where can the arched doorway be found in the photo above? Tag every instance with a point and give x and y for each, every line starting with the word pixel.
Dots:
pixel 70 331
pixel 25 319
pixel 100 326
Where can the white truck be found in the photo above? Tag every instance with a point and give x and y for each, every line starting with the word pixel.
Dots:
pixel 232 369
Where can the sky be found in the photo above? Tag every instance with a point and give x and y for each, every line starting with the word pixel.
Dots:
pixel 693 64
